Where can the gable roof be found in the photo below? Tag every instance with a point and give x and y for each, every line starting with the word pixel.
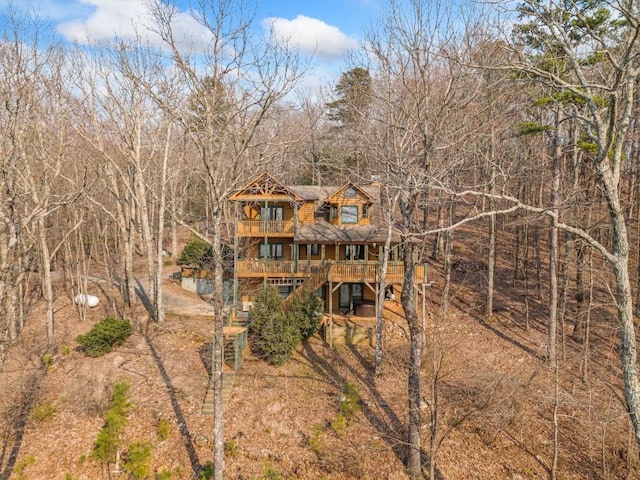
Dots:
pixel 264 185
pixel 340 192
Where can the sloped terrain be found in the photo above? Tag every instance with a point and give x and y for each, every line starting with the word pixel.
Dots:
pixel 496 398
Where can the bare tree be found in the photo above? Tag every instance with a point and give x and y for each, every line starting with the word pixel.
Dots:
pixel 233 85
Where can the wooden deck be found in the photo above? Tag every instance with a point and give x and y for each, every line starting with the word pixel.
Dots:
pixel 340 271
pixel 271 228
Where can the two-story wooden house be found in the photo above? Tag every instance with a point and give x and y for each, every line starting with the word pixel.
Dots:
pixel 326 239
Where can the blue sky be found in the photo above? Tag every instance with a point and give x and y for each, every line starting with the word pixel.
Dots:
pixel 326 28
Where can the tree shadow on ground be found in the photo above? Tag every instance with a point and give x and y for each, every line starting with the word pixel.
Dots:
pixel 177 409
pixel 499 333
pixel 13 436
pixel 378 413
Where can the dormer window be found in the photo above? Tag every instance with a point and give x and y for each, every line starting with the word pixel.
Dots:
pixel 349 214
pixel 334 211
pixel 350 193
pixel 365 211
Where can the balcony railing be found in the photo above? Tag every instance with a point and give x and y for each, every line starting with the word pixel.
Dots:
pixel 351 272
pixel 271 228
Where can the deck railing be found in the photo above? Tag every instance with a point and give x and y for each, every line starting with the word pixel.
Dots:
pixel 272 228
pixel 262 268
pixel 353 272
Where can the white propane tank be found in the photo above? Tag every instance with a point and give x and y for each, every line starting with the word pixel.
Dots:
pixel 89 300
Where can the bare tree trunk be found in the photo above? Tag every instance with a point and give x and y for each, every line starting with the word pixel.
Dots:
pixel 491 254
pixel 437 240
pixel 414 461
pixel 158 301
pixel 218 346
pixel 552 350
pixel 47 288
pixel 382 285
pixel 619 261
pixel 579 325
pixel 448 247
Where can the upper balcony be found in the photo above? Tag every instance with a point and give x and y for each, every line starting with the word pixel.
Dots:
pixel 271 228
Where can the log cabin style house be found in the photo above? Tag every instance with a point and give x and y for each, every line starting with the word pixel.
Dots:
pixel 324 238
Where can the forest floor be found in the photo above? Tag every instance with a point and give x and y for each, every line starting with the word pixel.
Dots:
pixel 496 396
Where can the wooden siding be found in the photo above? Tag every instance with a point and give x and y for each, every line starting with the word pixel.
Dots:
pixel 358 201
pixel 306 213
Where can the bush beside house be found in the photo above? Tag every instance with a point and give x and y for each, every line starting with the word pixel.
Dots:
pixel 276 332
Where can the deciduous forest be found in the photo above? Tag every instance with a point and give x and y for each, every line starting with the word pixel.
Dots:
pixel 506 142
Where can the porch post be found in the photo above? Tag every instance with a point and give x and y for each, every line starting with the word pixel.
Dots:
pixel 235 256
pixel 295 245
pixel 267 249
pixel 330 311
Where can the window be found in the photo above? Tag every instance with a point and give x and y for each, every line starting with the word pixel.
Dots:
pixel 365 211
pixel 272 251
pixel 350 193
pixel 350 294
pixel 350 214
pixel 315 249
pixel 272 213
pixel 354 252
pixel 284 291
pixel 334 211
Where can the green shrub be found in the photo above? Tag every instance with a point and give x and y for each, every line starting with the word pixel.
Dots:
pixel 349 406
pixel 350 401
pixel 105 335
pixel 316 438
pixel 21 465
pixel 42 412
pixel 339 425
pixel 275 334
pixel 271 473
pixel 206 471
pixel 196 253
pixel 306 313
pixel 164 429
pixel 109 439
pixel 47 361
pixel 231 448
pixel 138 461
pixel 164 475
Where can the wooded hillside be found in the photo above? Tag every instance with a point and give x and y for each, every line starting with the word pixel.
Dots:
pixel 505 142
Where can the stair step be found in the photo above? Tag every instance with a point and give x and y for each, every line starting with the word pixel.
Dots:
pixel 227 387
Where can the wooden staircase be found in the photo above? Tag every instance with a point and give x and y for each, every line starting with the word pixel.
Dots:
pixel 235 334
pixel 313 283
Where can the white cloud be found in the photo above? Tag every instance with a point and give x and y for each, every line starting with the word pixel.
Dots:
pixel 127 20
pixel 311 35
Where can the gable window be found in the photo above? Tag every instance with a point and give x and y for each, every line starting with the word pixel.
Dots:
pixel 354 252
pixel 272 213
pixel 349 214
pixel 350 193
pixel 271 251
